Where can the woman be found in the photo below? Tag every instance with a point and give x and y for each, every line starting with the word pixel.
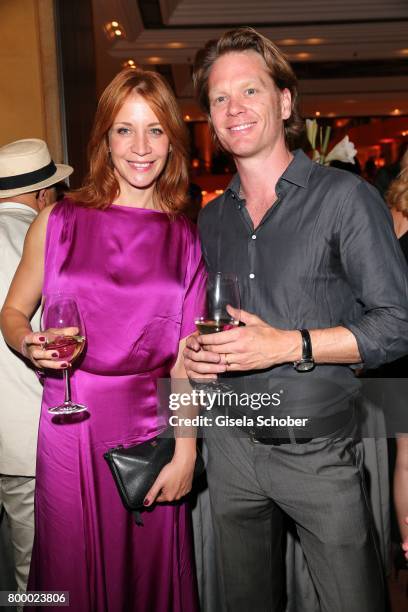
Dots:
pixel 133 263
pixel 397 199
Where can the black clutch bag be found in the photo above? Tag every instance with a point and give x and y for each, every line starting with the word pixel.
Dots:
pixel 135 469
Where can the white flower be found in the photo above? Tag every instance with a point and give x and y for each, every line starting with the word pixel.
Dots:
pixel 344 151
pixel 311 131
pixel 316 156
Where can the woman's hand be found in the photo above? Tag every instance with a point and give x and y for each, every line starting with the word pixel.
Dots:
pixel 174 481
pixel 199 363
pixel 34 347
pixel 176 478
pixel 404 544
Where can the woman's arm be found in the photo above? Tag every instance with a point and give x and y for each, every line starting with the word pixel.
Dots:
pixel 185 445
pixel 401 490
pixel 24 295
pixel 176 478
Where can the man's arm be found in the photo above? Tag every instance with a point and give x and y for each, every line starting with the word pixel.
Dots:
pixel 258 346
pixel 376 271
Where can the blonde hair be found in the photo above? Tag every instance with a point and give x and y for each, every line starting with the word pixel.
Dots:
pixel 397 194
pixel 100 187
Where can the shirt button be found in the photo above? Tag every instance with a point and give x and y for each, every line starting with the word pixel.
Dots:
pixel 253 236
pixel 252 275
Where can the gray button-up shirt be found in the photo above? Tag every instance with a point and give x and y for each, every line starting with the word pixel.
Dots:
pixel 324 255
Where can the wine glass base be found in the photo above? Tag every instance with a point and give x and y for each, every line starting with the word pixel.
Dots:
pixel 67 408
pixel 212 387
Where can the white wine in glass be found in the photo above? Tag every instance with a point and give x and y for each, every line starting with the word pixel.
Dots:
pixel 61 311
pixel 222 290
pixel 213 315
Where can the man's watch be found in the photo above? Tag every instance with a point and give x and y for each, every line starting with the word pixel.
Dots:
pixel 306 363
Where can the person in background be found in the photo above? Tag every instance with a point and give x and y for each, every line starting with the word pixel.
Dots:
pixel 61 189
pixel 195 201
pixel 27 177
pixel 370 170
pixel 389 173
pixel 119 245
pixel 397 200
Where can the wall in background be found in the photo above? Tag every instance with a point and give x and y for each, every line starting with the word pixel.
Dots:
pixel 29 95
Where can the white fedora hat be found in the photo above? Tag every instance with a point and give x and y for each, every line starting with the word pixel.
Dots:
pixel 26 165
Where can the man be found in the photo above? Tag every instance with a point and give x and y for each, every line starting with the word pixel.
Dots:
pixel 323 286
pixel 27 176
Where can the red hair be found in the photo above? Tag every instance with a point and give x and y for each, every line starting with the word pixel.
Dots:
pixel 100 187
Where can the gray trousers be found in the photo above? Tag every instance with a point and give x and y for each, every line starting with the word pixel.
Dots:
pixel 17 498
pixel 320 486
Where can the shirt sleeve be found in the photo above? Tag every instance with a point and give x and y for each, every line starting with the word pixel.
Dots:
pixel 195 288
pixel 377 272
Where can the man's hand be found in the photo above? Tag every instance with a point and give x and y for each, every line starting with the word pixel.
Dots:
pixel 254 347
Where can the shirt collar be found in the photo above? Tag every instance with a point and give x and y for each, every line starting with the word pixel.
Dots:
pixel 17 206
pixel 298 172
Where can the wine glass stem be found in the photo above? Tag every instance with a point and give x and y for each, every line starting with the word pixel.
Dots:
pixel 67 387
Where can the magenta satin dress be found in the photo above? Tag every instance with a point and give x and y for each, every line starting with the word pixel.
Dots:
pixel 135 273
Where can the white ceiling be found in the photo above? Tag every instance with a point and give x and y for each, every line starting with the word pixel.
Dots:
pixel 341 31
pixel 198 12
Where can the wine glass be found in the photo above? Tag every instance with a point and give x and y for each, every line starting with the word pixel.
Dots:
pixel 212 315
pixel 222 291
pixel 61 311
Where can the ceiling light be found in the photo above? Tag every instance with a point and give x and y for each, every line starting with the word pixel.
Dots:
pixel 314 41
pixel 396 111
pixel 130 63
pixel 114 30
pixel 303 55
pixel 317 113
pixel 403 51
pixel 289 41
pixel 175 45
pixel 154 59
pixel 342 122
pixel 187 117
